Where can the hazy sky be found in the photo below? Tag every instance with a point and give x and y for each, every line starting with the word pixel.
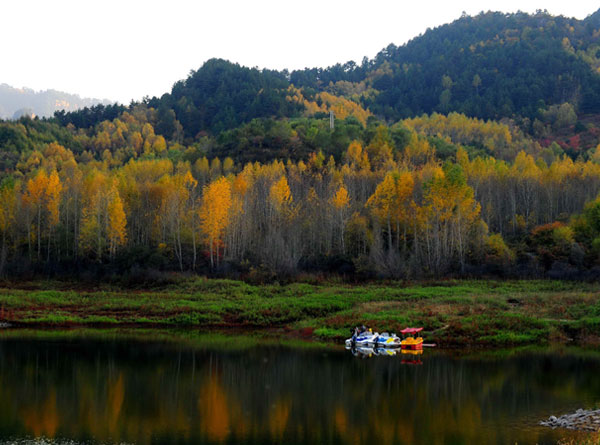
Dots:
pixel 126 49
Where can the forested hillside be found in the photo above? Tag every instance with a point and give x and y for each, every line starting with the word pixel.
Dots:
pixel 237 171
pixel 493 65
pixel 541 71
pixel 423 197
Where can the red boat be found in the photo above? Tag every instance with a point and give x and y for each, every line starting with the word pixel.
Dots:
pixel 411 341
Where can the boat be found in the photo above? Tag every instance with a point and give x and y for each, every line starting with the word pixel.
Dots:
pixel 411 341
pixel 387 340
pixel 362 337
pixel 366 337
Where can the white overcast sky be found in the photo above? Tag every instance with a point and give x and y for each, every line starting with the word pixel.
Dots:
pixel 126 49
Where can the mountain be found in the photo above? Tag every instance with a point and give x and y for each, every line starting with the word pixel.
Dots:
pixel 18 102
pixel 538 70
pixel 472 149
pixel 493 65
pixel 222 95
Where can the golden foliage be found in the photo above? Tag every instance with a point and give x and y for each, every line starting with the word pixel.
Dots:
pixel 341 107
pixel 53 192
pixel 36 189
pixel 392 198
pixel 280 194
pixel 461 129
pixel 214 213
pixel 117 221
pixel 341 199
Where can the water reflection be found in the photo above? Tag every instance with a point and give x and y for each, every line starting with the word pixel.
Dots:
pixel 115 391
pixel 409 356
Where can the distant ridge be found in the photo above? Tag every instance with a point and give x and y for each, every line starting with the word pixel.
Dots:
pixel 17 102
pixel 517 66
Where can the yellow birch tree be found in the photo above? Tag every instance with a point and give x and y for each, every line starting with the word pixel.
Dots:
pixel 214 215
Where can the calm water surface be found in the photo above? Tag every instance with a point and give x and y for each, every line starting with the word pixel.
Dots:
pixel 114 390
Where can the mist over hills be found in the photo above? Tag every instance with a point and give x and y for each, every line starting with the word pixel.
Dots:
pixel 17 102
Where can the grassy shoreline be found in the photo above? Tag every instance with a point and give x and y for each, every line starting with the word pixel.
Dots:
pixel 454 313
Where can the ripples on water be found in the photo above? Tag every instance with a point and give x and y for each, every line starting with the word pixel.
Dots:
pixel 115 391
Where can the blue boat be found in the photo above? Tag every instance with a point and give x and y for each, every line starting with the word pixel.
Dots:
pixel 363 337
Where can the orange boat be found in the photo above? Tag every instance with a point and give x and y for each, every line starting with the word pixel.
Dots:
pixel 411 341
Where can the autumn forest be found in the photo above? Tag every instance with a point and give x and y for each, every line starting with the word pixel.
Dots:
pixel 238 172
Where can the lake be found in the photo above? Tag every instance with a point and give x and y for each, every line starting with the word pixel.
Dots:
pixel 188 388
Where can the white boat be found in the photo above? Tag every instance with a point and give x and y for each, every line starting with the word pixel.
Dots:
pixel 367 338
pixel 362 338
pixel 386 340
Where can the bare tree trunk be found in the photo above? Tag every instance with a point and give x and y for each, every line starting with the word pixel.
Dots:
pixel 389 227
pixel 194 248
pixel 39 231
pixel 48 254
pixel 342 227
pixel 3 253
pixel 29 247
pixel 179 249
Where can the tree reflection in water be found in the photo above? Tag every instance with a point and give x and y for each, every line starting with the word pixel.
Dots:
pixel 114 391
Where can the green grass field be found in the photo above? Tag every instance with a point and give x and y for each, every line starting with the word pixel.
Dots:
pixel 453 313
